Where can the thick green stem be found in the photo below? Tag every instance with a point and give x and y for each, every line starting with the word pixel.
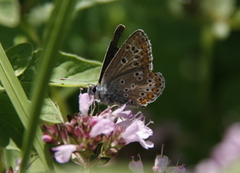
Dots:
pixel 57 26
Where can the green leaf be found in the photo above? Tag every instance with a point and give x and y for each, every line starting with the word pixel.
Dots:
pixel 10 124
pixel 9 13
pixel 70 71
pixel 12 146
pixel 19 56
pixel 76 71
pixel 12 154
pixel 20 102
pixel 57 26
pixel 50 112
pixel 87 4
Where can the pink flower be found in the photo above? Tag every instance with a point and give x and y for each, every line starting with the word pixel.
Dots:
pixel 109 130
pixel 224 154
pixel 229 150
pixel 160 166
pixel 208 166
pixel 47 138
pixel 161 163
pixel 136 166
pixel 177 169
pixel 137 132
pixel 120 112
pixel 85 101
pixel 63 152
pixel 103 126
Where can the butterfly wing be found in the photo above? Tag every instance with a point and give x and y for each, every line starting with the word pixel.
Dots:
pixel 112 49
pixel 129 77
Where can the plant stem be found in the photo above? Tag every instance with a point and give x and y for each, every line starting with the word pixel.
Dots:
pixel 57 26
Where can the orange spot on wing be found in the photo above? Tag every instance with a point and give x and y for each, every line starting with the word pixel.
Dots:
pixel 150 96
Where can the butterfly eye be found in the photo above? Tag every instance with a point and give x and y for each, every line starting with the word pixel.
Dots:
pixel 94 89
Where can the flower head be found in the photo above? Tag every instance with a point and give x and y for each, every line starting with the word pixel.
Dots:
pixel 103 134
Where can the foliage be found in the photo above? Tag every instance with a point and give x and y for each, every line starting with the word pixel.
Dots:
pixel 195 46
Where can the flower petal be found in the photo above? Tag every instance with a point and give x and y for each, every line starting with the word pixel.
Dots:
pixel 103 126
pixel 161 163
pixel 136 166
pixel 85 101
pixel 137 132
pixel 63 152
pixel 121 113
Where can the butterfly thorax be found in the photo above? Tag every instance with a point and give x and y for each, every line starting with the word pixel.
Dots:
pixel 108 95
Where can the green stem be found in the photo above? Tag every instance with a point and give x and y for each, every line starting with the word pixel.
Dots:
pixel 57 26
pixel 19 100
pixel 86 170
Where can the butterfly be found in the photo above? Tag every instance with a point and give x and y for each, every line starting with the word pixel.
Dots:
pixel 126 76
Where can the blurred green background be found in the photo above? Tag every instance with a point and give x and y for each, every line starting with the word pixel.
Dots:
pixel 196 46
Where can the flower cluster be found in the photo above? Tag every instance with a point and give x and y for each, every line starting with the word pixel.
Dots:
pixel 160 166
pixel 100 137
pixel 225 156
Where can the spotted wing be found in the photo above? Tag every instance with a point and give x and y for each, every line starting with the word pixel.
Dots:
pixel 130 72
pixel 112 49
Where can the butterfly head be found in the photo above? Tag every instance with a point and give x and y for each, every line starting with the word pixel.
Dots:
pixel 93 90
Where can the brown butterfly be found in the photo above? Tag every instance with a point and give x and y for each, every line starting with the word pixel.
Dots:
pixel 126 76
